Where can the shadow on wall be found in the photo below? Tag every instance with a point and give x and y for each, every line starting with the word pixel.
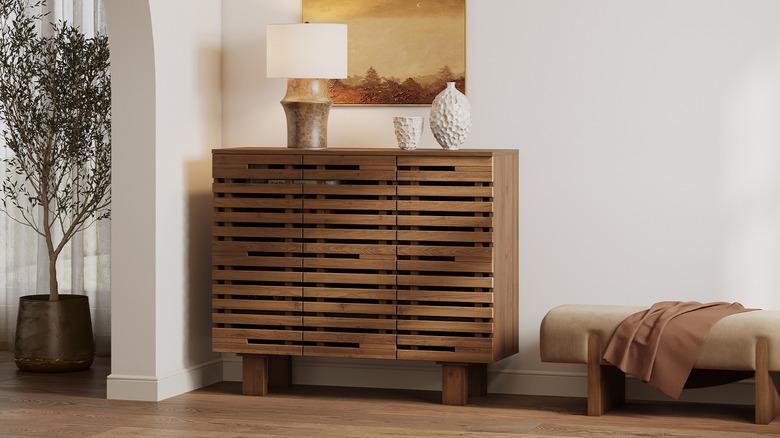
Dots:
pixel 197 175
pixel 197 319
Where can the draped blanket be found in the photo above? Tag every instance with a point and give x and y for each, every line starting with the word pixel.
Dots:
pixel 660 345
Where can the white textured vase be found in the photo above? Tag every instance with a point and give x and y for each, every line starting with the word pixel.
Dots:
pixel 408 131
pixel 451 117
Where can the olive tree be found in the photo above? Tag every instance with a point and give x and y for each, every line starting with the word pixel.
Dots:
pixel 55 115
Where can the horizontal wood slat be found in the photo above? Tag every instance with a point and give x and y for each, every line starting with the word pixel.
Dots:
pixel 353 293
pixel 244 172
pixel 483 356
pixel 349 323
pixel 362 352
pixel 350 175
pixel 444 221
pixel 347 189
pixel 257 189
pixel 258 203
pixel 273 305
pixel 348 234
pixel 258 291
pixel 423 265
pixel 361 151
pixel 445 236
pixel 365 160
pixel 357 308
pixel 442 280
pixel 344 248
pixel 219 159
pixel 348 204
pixel 428 176
pixel 453 311
pixel 455 206
pixel 269 349
pixel 348 278
pixel 445 341
pixel 349 219
pixel 265 218
pixel 444 161
pixel 274 232
pixel 262 320
pixel 445 296
pixel 259 262
pixel 445 251
pixel 447 191
pixel 270 276
pixel 378 264
pixel 358 338
pixel 445 326
pixel 232 247
pixel 245 334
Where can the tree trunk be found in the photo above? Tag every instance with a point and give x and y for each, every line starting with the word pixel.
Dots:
pixel 53 285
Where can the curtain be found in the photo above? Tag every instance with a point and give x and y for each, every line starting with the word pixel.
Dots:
pixel 84 265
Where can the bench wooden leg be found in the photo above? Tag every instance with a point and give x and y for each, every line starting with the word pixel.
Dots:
pixel 454 383
pixel 767 384
pixel 606 384
pixel 262 372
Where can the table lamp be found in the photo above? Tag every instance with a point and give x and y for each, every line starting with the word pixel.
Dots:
pixel 307 55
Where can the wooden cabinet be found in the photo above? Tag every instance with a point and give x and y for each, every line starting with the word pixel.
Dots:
pixel 366 253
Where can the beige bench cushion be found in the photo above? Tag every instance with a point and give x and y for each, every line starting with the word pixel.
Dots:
pixel 731 345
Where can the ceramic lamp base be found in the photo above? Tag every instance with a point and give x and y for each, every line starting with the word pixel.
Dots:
pixel 307 105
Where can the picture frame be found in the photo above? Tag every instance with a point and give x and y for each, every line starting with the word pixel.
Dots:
pixel 427 49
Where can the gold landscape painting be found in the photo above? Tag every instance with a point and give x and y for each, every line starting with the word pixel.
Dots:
pixel 401 52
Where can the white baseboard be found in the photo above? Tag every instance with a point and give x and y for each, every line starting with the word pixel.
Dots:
pixel 152 388
pixel 425 376
pixel 129 387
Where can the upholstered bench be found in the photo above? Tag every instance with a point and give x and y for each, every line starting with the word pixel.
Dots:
pixel 742 342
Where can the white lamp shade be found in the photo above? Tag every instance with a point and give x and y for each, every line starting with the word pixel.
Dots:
pixel 306 51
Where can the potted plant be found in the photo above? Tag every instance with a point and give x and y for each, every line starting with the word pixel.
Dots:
pixel 55 119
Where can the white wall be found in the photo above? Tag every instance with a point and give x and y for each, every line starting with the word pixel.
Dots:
pixel 167 110
pixel 649 141
pixel 133 192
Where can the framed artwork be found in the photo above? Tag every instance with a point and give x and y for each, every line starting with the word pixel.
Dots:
pixel 401 52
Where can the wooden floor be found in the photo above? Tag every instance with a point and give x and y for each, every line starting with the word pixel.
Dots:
pixel 74 405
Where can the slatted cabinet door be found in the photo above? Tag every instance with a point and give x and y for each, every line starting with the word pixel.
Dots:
pixel 257 254
pixel 349 247
pixel 445 258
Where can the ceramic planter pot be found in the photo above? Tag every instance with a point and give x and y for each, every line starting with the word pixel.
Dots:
pixel 54 336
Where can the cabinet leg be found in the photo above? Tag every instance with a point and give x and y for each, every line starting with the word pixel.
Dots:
pixel 454 383
pixel 477 380
pixel 280 368
pixel 255 379
pixel 263 372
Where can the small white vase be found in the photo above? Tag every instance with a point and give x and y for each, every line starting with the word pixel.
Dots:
pixel 451 118
pixel 408 131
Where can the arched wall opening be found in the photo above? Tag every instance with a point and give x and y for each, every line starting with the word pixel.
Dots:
pixel 166 119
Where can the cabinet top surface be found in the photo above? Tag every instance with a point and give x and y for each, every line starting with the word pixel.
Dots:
pixel 363 151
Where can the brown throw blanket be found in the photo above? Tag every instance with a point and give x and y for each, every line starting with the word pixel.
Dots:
pixel 661 345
